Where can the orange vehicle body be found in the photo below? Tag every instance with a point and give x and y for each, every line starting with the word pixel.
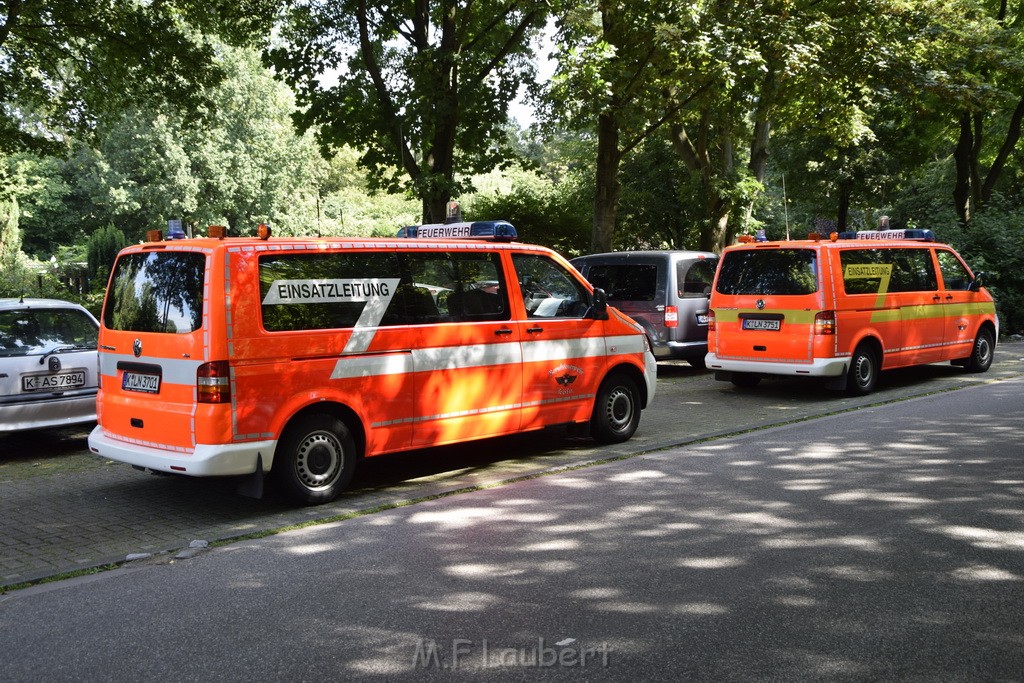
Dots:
pixel 213 392
pixel 844 309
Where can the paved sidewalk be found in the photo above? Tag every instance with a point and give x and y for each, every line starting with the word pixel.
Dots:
pixel 63 509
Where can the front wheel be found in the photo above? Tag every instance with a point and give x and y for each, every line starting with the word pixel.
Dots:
pixel 863 373
pixel 616 410
pixel 981 355
pixel 315 459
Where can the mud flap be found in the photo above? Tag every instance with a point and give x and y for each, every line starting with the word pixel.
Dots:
pixel 251 485
pixel 838 383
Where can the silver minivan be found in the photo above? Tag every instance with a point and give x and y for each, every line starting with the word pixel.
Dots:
pixel 48 364
pixel 665 291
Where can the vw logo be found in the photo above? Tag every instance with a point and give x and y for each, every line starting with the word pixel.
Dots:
pixel 137 348
pixel 54 364
pixel 759 304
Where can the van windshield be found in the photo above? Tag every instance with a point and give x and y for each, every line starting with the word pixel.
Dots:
pixel 769 271
pixel 159 291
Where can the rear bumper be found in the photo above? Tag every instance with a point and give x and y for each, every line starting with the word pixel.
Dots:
pixel 819 367
pixel 48 412
pixel 207 460
pixel 682 350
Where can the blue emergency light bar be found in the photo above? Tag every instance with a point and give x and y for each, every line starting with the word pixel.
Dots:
pixel 912 234
pixel 497 230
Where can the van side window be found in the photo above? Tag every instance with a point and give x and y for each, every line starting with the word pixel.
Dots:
pixel 954 275
pixel 548 290
pixel 325 291
pixel 695 277
pixel 472 287
pixel 626 282
pixel 877 271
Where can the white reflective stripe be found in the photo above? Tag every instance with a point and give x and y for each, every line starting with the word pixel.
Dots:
pixel 474 356
pixel 562 349
pixel 627 343
pixel 172 371
pixel 372 366
pixel 484 411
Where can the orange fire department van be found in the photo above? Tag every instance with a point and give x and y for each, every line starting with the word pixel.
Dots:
pixel 299 356
pixel 846 307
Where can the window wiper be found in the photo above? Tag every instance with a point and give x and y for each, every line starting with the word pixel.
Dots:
pixel 56 349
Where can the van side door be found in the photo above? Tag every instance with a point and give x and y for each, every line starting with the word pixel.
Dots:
pixel 957 298
pixel 466 348
pixel 564 355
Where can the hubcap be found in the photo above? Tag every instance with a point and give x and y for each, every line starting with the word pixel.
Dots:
pixel 318 460
pixel 984 350
pixel 864 370
pixel 619 410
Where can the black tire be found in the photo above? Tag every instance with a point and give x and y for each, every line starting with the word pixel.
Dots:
pixel 981 356
pixel 745 380
pixel 863 373
pixel 315 459
pixel 698 363
pixel 616 410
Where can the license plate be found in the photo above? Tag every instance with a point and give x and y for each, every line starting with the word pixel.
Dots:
pixel 702 318
pixel 137 381
pixel 756 324
pixel 56 382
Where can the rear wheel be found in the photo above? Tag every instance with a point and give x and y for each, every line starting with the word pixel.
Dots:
pixel 315 459
pixel 981 355
pixel 745 380
pixel 616 410
pixel 863 373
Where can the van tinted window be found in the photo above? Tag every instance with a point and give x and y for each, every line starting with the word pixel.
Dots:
pixel 695 277
pixel 769 271
pixel 874 271
pixel 370 289
pixel 626 282
pixel 156 291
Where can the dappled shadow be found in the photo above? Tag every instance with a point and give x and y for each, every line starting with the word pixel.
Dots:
pixel 882 544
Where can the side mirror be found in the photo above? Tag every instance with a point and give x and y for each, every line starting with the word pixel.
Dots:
pixel 600 307
pixel 977 283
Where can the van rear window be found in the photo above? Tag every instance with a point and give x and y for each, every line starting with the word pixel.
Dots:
pixel 156 291
pixel 769 272
pixel 626 282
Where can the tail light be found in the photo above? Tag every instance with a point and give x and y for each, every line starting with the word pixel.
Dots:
pixel 213 382
pixel 711 320
pixel 671 316
pixel 825 322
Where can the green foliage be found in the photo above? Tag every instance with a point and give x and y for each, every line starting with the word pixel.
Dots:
pixel 63 63
pixel 102 249
pixel 422 90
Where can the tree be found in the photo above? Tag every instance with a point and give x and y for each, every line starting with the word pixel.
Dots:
pixel 63 63
pixel 614 56
pixel 422 87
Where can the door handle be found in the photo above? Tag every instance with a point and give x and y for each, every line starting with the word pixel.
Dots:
pixel 503 331
pixel 534 330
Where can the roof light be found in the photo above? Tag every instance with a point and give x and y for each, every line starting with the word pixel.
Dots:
pixel 216 231
pixel 911 234
pixel 263 231
pixel 154 235
pixel 496 230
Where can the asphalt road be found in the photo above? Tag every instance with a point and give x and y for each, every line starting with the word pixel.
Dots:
pixel 63 509
pixel 877 544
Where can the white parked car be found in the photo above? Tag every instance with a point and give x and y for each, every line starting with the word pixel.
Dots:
pixel 49 368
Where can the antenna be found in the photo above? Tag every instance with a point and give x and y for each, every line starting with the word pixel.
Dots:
pixel 785 205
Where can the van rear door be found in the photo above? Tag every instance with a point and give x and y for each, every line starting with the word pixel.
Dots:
pixel 765 301
pixel 152 343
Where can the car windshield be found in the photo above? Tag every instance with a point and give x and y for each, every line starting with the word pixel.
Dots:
pixel 38 331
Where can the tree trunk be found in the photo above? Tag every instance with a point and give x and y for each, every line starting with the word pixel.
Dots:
pixel 606 198
pixel 962 157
